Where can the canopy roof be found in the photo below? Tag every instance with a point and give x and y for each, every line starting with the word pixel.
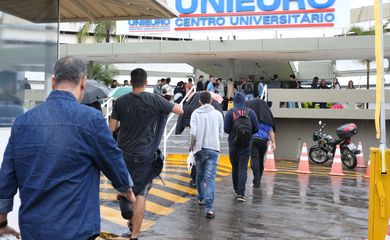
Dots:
pixel 44 11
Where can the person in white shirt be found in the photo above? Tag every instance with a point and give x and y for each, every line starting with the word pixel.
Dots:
pixel 206 130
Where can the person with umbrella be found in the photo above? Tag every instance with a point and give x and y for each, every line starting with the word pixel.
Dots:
pixel 94 92
pixel 265 135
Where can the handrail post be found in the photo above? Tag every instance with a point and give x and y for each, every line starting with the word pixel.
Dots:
pixel 167 135
pixel 108 110
pixel 165 140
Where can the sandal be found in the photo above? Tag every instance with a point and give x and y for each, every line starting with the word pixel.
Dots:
pixel 130 226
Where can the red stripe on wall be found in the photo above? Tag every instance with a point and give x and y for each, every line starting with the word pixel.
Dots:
pixel 257 13
pixel 257 26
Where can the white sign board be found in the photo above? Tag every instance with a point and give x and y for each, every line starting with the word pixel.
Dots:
pixel 238 15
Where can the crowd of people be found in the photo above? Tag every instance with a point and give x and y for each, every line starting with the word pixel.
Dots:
pixel 164 89
pixel 115 84
pixel 57 151
pixel 61 181
pixel 249 86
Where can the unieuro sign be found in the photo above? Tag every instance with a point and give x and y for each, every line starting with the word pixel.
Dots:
pixel 202 15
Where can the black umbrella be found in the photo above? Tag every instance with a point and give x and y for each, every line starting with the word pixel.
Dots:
pixel 262 111
pixel 94 91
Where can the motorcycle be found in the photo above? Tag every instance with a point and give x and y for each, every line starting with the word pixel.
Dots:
pixel 326 145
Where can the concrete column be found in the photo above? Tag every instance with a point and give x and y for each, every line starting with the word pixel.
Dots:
pixel 197 73
pixel 90 69
pixel 232 69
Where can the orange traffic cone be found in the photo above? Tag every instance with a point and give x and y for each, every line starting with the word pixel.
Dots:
pixel 368 170
pixel 360 157
pixel 304 161
pixel 269 165
pixel 388 231
pixel 337 168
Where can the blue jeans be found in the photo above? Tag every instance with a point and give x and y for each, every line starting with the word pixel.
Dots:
pixel 239 158
pixel 206 171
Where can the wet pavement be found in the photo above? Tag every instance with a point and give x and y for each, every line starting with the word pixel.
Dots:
pixel 287 206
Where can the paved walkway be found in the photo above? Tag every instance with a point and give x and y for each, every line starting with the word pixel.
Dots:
pixel 287 206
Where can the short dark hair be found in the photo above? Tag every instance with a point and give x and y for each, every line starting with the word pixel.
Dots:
pixel 201 76
pixel 189 80
pixel 276 76
pixel 205 97
pixel 292 76
pixel 168 80
pixel 138 78
pixel 69 69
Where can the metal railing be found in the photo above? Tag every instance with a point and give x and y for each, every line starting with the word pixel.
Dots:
pixel 349 99
pixel 108 110
pixel 168 134
pixel 108 105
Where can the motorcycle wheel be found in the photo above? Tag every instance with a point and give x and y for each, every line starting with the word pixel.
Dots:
pixel 318 155
pixel 348 158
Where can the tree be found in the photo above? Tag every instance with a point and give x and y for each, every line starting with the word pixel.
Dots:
pixel 105 73
pixel 359 31
pixel 103 30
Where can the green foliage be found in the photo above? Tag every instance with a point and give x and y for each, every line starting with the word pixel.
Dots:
pixel 105 73
pixel 359 31
pixel 103 30
pixel 83 33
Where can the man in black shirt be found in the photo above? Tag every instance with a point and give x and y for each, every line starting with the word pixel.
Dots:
pixel 140 115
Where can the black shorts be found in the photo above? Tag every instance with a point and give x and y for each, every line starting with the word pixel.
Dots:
pixel 140 172
pixel 144 192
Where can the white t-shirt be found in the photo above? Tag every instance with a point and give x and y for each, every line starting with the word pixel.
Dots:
pixel 168 88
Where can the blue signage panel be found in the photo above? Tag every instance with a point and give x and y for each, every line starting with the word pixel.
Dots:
pixel 204 15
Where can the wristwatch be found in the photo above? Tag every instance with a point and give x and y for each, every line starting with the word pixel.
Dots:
pixel 4 224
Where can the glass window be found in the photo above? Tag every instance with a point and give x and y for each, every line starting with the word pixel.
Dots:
pixel 28 52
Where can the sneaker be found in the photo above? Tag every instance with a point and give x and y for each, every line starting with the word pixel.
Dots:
pixel 241 198
pixel 256 186
pixel 200 202
pixel 210 214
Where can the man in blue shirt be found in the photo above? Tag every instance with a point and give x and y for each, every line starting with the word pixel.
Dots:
pixel 210 85
pixel 54 157
pixel 261 139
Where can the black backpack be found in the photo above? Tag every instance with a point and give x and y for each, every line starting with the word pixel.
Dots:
pixel 249 88
pixel 242 129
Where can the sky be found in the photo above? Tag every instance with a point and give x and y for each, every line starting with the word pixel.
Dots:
pixel 363 3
